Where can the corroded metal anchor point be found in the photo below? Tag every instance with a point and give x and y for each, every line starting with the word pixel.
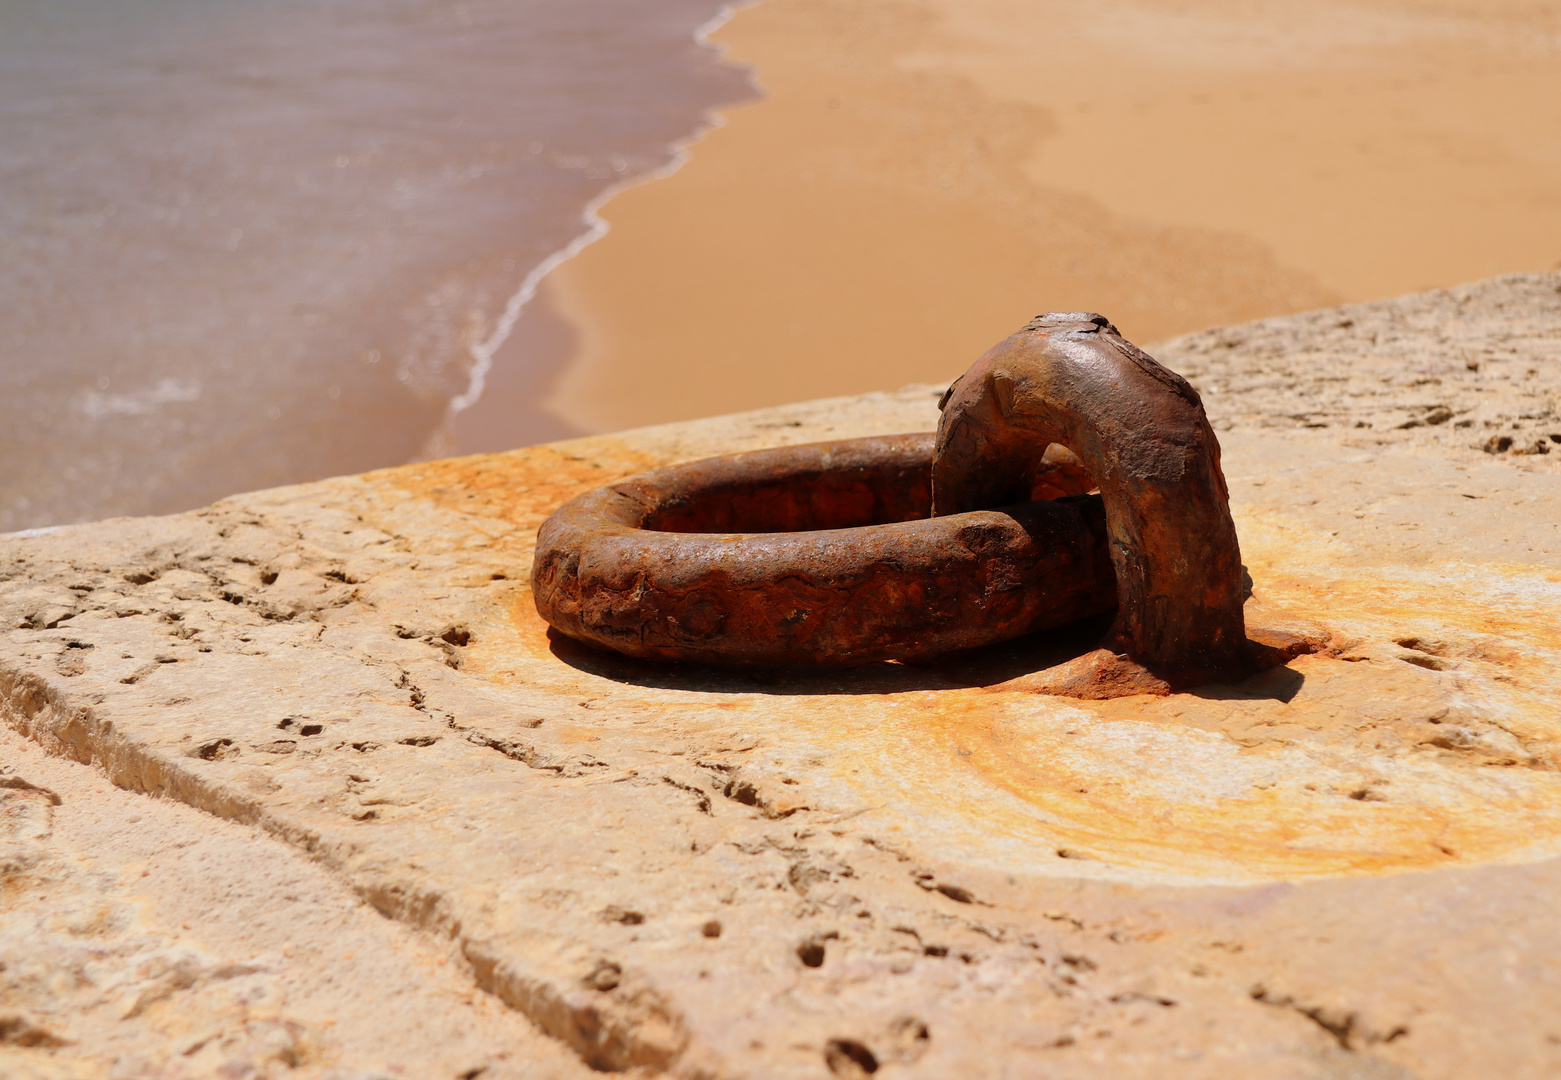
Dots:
pixel 1140 432
pixel 905 547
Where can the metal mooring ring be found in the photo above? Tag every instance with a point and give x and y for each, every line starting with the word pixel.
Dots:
pixel 826 554
pixel 1141 433
pixel 818 554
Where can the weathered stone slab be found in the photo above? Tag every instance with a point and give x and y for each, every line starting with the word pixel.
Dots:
pixel 1454 371
pixel 1342 868
pixel 144 938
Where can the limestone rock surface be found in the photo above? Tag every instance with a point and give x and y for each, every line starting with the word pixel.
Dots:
pixel 336 699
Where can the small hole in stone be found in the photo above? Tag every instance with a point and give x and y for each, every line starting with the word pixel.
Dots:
pixel 604 977
pixel 712 928
pixel 847 1057
pixel 910 1033
pixel 1420 644
pixel 457 635
pixel 268 577
pixel 215 750
pixel 742 791
pixel 311 729
pixel 811 953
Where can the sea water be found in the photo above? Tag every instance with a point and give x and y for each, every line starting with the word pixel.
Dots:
pixel 248 243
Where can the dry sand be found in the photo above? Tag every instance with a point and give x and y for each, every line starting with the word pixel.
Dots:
pixel 924 175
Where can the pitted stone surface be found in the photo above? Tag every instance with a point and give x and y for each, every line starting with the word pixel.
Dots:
pixel 143 938
pixel 1458 372
pixel 1343 868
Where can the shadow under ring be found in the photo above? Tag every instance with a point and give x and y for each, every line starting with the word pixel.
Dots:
pixel 822 554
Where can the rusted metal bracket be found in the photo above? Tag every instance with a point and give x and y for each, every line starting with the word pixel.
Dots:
pixel 911 546
pixel 1140 432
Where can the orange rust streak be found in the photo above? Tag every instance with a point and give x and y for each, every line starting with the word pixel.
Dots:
pixel 1025 782
pixel 522 486
pixel 1288 831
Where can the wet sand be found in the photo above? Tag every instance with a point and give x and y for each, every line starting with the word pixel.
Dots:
pixel 924 175
pixel 244 245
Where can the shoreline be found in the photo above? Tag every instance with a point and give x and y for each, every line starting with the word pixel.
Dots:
pixel 483 353
pixel 912 187
pixel 296 272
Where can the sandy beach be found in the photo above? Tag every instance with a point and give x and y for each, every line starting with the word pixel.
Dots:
pixel 923 175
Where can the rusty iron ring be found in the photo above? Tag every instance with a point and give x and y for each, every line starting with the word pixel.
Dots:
pixel 1141 434
pixel 821 554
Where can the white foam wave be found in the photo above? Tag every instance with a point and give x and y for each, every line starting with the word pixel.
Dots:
pixel 483 352
pixel 97 405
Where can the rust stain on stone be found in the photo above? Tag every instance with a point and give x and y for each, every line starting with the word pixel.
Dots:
pixel 521 487
pixel 1412 748
pixel 1430 736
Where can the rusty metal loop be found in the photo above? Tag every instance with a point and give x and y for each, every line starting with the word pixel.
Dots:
pixel 1141 434
pixel 818 554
